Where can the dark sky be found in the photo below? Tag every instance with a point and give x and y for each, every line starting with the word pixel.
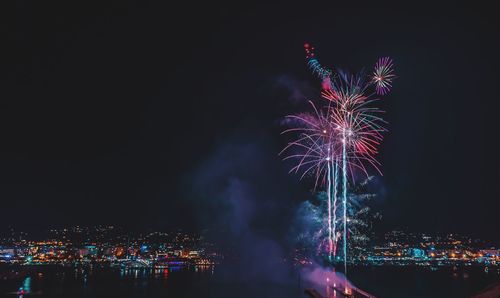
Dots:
pixel 108 110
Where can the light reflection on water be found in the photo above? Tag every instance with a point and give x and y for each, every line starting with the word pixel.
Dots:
pixel 196 281
pixel 25 289
pixel 162 273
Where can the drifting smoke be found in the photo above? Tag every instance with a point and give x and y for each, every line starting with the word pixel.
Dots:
pixel 327 282
pixel 297 91
pixel 245 211
pixel 325 278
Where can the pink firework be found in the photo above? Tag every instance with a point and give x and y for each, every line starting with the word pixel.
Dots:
pixel 316 144
pixel 356 124
pixel 383 75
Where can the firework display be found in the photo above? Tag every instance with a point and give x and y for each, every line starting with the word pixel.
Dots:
pixel 338 141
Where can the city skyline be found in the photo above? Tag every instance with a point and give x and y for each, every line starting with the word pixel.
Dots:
pixel 111 244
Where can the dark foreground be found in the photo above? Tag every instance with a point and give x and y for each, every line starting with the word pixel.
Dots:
pixel 45 281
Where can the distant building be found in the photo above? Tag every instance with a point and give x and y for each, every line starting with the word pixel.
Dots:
pixel 194 254
pixel 490 252
pixel 418 253
pixel 7 251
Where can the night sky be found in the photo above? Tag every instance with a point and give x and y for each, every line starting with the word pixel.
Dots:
pixel 121 112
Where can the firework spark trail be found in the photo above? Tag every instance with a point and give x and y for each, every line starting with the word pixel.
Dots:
pixel 322 72
pixel 313 63
pixel 335 175
pixel 344 197
pixel 329 206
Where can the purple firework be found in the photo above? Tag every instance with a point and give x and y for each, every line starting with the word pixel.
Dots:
pixel 383 75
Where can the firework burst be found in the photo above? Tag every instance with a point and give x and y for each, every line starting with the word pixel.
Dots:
pixel 358 126
pixel 316 144
pixel 383 75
